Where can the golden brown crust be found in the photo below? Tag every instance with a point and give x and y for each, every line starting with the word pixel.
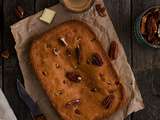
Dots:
pixel 77 75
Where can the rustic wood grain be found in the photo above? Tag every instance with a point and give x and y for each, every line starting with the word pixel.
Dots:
pixel 20 109
pixel 149 82
pixel 1 30
pixel 52 2
pixel 40 4
pixel 120 13
pixel 10 66
pixel 146 65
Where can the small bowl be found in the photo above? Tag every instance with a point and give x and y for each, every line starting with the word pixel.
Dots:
pixel 75 9
pixel 137 33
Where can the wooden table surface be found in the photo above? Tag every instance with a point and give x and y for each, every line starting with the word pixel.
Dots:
pixel 145 62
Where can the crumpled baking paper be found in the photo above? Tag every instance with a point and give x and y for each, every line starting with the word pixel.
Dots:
pixel 25 31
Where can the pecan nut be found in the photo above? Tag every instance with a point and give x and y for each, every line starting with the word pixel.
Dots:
pixel 19 12
pixel 74 77
pixel 101 10
pixel 5 54
pixel 151 27
pixel 107 102
pixel 96 59
pixel 113 51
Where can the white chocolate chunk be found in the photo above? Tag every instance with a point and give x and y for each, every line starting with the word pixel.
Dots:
pixel 48 15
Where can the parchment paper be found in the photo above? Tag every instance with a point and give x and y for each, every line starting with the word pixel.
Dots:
pixel 26 30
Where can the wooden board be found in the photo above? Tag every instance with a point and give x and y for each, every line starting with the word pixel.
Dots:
pixel 1 30
pixel 146 66
pixel 10 66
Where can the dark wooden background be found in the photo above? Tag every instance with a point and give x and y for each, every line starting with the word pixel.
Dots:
pixel 145 62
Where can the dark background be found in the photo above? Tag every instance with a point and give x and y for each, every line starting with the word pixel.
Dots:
pixel 145 62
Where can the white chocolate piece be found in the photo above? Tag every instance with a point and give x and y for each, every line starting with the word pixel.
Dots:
pixel 48 15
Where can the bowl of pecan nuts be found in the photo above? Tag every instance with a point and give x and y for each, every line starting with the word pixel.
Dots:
pixel 147 27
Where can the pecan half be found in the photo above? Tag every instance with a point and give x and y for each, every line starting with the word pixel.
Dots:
pixel 113 51
pixel 74 77
pixel 151 27
pixel 5 54
pixel 106 103
pixel 101 10
pixel 19 12
pixel 96 59
pixel 143 24
pixel 72 103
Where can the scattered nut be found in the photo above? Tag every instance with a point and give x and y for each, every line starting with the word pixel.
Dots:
pixel 113 51
pixel 106 103
pixel 19 12
pixel 5 54
pixel 101 10
pixel 96 59
pixel 150 26
pixel 143 24
pixel 74 77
